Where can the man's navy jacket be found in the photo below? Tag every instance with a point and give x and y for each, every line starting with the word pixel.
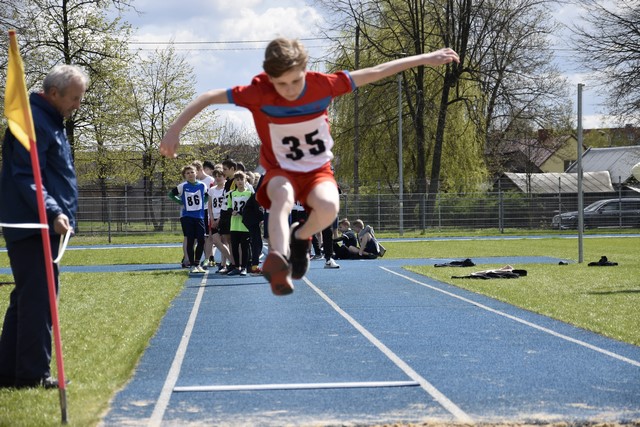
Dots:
pixel 17 189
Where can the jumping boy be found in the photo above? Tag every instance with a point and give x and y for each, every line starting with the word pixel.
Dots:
pixel 289 108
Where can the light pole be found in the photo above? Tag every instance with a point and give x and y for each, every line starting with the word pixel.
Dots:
pixel 400 160
pixel 579 164
pixel 400 173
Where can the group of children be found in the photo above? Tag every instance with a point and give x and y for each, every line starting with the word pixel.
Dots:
pixel 216 214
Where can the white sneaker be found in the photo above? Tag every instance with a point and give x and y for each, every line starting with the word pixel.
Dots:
pixel 331 264
pixel 196 269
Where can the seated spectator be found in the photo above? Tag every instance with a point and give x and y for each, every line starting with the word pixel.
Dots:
pixel 368 244
pixel 345 246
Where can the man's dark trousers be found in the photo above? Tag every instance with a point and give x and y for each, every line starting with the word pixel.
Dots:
pixel 25 344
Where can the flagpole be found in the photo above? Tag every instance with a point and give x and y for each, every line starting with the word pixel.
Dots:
pixel 48 257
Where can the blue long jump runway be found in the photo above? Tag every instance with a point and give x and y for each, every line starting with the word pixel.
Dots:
pixel 371 343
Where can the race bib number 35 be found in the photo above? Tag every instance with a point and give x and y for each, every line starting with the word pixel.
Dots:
pixel 302 147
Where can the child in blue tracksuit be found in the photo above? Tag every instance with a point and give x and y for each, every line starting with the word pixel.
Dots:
pixel 192 195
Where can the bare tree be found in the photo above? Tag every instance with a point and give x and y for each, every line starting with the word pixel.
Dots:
pixel 504 73
pixel 158 87
pixel 69 32
pixel 609 46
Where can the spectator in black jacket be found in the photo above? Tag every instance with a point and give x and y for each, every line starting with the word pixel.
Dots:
pixel 345 246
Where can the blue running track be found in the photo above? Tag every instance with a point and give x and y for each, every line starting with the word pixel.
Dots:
pixel 371 343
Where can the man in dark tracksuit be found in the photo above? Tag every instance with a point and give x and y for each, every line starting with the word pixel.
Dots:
pixel 25 343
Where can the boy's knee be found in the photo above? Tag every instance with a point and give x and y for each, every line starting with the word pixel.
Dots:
pixel 328 208
pixel 281 193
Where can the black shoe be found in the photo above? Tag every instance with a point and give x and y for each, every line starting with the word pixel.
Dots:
pixel 46 383
pixel 7 382
pixel 300 252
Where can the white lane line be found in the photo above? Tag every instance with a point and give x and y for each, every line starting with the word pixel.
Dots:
pixel 458 413
pixel 296 386
pixel 519 320
pixel 174 371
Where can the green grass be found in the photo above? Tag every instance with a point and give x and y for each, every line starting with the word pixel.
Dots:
pixel 108 319
pixel 600 299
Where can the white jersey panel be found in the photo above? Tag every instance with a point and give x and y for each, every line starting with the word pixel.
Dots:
pixel 304 146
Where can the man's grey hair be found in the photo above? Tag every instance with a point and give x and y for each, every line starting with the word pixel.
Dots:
pixel 62 75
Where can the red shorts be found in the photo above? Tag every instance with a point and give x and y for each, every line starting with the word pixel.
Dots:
pixel 302 182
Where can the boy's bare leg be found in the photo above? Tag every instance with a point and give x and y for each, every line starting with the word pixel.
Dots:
pixel 276 268
pixel 225 255
pixel 280 193
pixel 324 201
pixel 208 248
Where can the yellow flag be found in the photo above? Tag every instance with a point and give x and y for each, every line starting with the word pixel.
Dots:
pixel 16 103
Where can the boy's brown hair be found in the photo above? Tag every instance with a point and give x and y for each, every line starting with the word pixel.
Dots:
pixel 345 221
pixel 358 224
pixel 186 168
pixel 283 55
pixel 240 174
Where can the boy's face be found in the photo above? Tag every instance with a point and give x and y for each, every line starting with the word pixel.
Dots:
pixel 239 183
pixel 228 172
pixel 289 85
pixel 219 179
pixel 343 228
pixel 190 175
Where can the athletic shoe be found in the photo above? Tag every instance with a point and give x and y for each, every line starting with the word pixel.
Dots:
pixel 277 271
pixel 243 272
pixel 317 256
pixel 255 271
pixel 234 272
pixel 331 264
pixel 223 270
pixel 212 262
pixel 299 256
pixel 47 383
pixel 196 269
pixel 382 250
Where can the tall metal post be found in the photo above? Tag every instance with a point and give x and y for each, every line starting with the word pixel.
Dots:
pixel 400 172
pixel 580 195
pixel 356 125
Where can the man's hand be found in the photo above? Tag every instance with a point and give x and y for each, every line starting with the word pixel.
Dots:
pixel 61 224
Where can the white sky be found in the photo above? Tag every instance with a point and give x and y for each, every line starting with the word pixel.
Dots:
pixel 230 64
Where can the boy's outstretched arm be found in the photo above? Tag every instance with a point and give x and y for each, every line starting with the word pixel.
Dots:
pixel 171 140
pixel 386 69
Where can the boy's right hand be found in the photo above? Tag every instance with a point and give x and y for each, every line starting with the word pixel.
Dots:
pixel 169 144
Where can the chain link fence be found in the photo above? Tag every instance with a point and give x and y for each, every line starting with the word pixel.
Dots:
pixel 136 213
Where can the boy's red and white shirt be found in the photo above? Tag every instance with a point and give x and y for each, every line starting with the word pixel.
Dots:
pixel 295 135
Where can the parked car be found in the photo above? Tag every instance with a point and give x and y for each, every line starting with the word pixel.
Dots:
pixel 603 213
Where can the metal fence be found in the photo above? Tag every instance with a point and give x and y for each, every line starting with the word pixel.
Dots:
pixel 501 210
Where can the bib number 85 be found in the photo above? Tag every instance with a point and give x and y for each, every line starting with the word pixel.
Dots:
pixel 296 153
